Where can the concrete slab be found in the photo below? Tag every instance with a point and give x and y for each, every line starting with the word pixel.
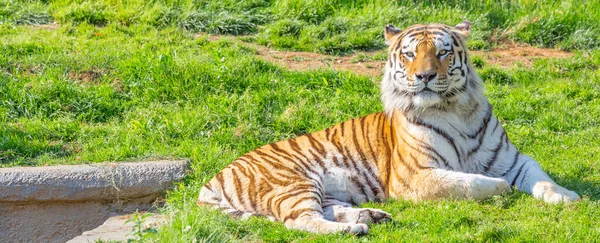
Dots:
pixel 116 229
pixel 107 181
pixel 57 203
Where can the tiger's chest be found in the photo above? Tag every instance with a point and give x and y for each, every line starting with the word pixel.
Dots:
pixel 459 146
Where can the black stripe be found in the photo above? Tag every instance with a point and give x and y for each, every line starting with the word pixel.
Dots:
pixel 366 163
pixel 454 39
pixel 483 126
pixel 495 126
pixel 364 127
pixel 318 159
pixel 439 131
pixel 416 33
pixel 294 146
pixel 427 154
pixel 207 185
pixel 348 157
pixel 417 162
pixel 428 147
pixel 517 174
pixel 276 163
pixel 268 175
pixel 316 144
pixel 297 163
pixel 236 214
pixel 436 32
pixel 237 184
pixel 403 180
pixel 506 141
pixel 523 175
pixel 336 143
pixel 252 195
pixel 221 181
pixel 513 164
pixel 357 183
pixel 295 214
pixel 380 128
pixel 336 161
pixel 304 199
pixel 481 137
pixel 298 190
pixel 490 163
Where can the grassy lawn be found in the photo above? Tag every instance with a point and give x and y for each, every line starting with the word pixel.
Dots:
pixel 128 80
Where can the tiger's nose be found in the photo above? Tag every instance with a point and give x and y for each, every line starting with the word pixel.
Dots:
pixel 425 76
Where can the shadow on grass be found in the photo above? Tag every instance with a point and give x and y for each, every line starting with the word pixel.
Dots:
pixel 582 187
pixel 506 200
pixel 19 148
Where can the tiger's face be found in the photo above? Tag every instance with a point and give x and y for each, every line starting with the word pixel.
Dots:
pixel 427 65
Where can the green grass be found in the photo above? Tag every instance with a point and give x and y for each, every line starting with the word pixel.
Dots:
pixel 332 26
pixel 128 80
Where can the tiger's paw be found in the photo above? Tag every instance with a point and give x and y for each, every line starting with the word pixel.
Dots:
pixel 552 193
pixel 369 216
pixel 351 215
pixel 357 229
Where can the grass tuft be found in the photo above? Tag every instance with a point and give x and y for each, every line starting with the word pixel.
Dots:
pixel 28 13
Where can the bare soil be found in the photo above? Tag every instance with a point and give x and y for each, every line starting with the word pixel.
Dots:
pixel 508 56
pixel 51 26
pixel 504 57
pixel 86 76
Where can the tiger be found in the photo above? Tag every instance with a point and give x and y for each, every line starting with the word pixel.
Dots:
pixel 436 138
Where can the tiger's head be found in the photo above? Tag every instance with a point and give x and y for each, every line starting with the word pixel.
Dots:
pixel 428 68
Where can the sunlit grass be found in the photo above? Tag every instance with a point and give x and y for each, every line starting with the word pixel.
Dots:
pixel 119 81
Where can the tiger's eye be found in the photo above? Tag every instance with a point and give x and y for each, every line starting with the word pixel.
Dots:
pixel 409 54
pixel 442 52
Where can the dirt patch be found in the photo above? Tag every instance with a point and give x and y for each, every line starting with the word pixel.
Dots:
pixel 52 26
pixel 95 77
pixel 505 57
pixel 86 76
pixel 300 61
pixel 308 60
pixel 22 69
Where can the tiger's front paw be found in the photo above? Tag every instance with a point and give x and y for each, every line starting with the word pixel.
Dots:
pixel 552 193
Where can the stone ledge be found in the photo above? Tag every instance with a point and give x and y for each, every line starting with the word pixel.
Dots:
pixel 117 229
pixel 95 182
pixel 57 203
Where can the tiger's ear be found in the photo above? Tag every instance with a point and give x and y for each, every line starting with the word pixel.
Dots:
pixel 464 28
pixel 390 33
